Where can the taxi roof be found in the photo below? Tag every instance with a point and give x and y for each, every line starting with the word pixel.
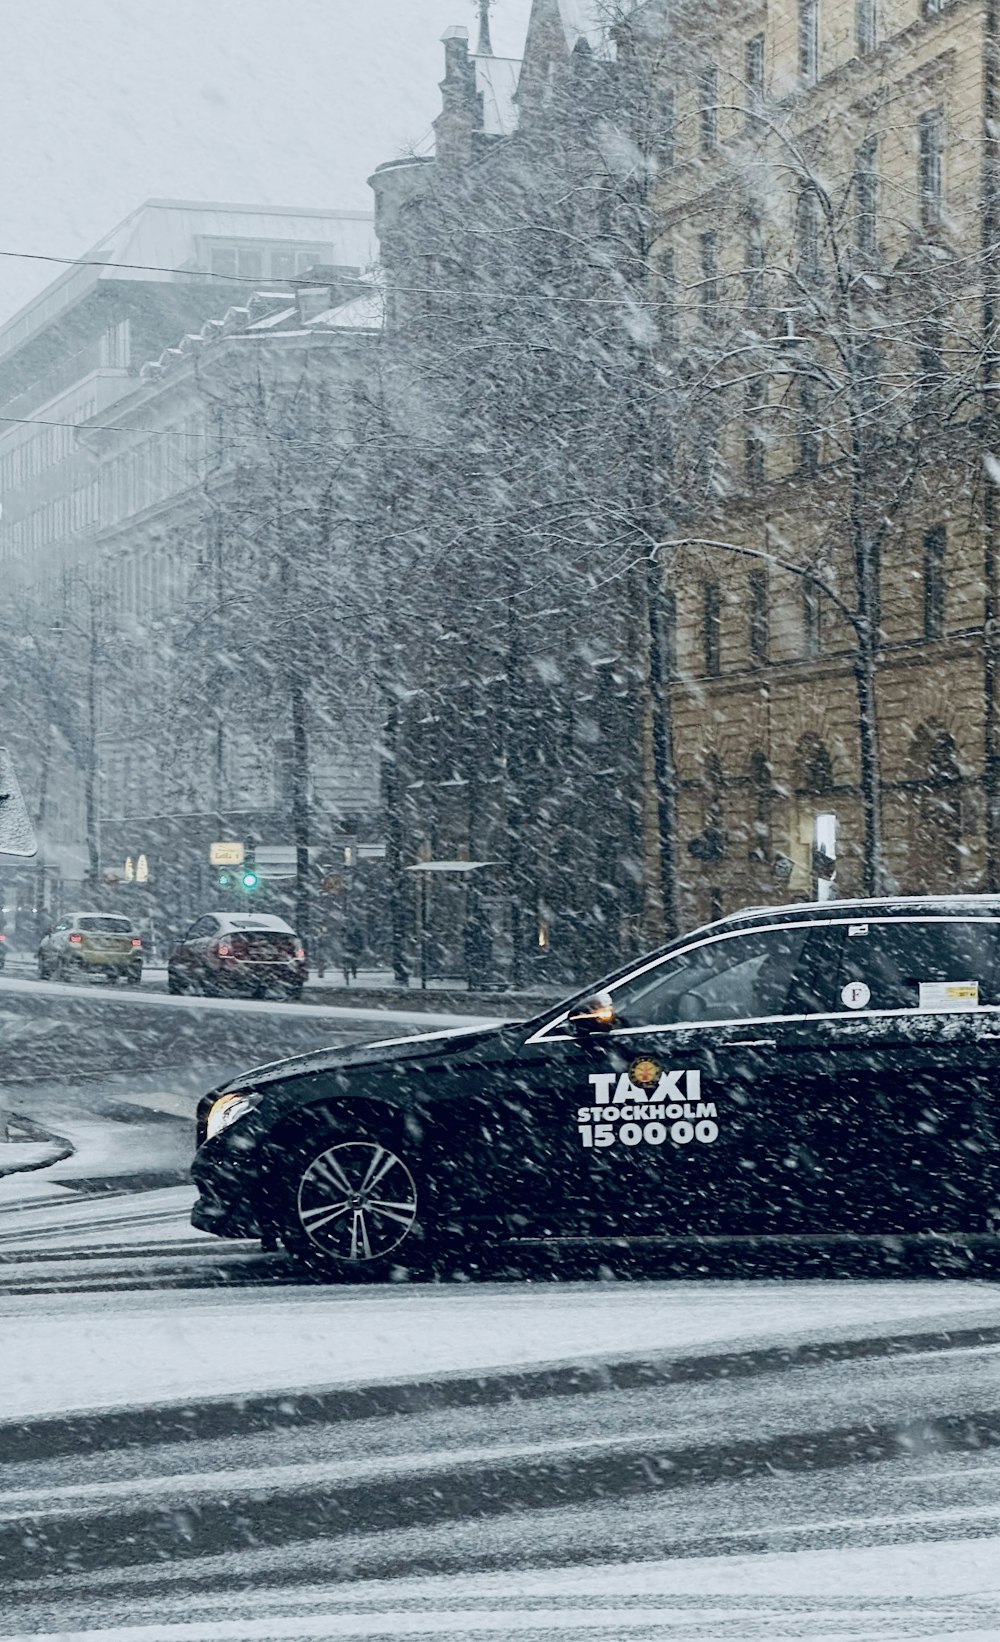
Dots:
pixel 883 906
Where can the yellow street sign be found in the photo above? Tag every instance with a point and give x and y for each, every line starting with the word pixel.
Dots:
pixel 226 855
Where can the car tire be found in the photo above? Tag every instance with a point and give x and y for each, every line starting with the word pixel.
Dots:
pixel 294 993
pixel 174 984
pixel 133 976
pixel 383 1237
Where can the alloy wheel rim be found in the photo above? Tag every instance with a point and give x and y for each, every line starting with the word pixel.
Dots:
pixel 357 1201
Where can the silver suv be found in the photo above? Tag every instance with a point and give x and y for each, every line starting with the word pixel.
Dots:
pixel 92 943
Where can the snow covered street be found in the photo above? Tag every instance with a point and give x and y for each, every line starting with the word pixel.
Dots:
pixel 948 1591
pixel 651 1460
pixel 199 1443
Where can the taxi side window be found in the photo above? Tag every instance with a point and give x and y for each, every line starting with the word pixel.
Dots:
pixel 202 926
pixel 909 965
pixel 735 978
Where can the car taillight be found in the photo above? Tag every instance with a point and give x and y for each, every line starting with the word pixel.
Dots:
pixel 223 949
pixel 136 940
pixel 300 953
pixel 2 937
pixel 76 940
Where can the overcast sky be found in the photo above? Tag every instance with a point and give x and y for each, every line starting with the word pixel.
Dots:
pixel 109 102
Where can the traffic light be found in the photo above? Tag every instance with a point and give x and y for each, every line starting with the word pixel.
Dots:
pixel 225 880
pixel 249 876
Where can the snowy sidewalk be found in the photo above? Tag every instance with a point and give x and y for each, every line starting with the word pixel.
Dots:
pixel 68 1352
pixel 143 998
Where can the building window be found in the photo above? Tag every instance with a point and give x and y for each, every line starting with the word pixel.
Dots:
pixel 712 627
pixel 708 247
pixel 935 549
pixel 812 633
pixel 666 127
pixel 866 196
pixel 937 848
pixel 809 431
pixel 869 374
pixel 754 270
pixel 759 634
pixel 223 261
pixel 931 129
pixel 754 76
pixel 283 264
pixel 932 7
pixel 866 25
pixel 808 234
pixel 761 848
pixel 115 345
pixel 708 108
pixel 667 294
pixel 809 41
pixel 753 443
pixel 930 364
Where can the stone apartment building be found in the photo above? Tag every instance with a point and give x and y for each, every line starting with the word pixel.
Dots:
pixel 825 211
pixel 788 210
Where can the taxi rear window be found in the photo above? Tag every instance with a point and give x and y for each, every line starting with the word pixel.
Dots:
pixel 920 965
pixel 106 926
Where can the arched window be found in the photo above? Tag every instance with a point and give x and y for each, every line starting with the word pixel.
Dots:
pixel 936 852
pixel 816 819
pixel 813 768
pixel 710 844
pixel 761 809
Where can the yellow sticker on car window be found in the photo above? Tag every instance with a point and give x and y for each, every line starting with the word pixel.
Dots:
pixel 943 995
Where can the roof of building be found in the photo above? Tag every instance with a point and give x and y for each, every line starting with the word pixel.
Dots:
pixel 277 313
pixel 161 240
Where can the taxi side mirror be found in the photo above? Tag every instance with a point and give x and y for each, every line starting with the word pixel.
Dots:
pixel 595 1014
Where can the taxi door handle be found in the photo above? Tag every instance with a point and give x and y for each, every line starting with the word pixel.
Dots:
pixel 989 1034
pixel 758 1043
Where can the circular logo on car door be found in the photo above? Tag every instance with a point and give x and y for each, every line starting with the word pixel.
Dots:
pixel 645 1073
pixel 856 995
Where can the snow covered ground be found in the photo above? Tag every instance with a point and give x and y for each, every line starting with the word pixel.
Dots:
pixel 64 1352
pixel 144 998
pixel 944 1592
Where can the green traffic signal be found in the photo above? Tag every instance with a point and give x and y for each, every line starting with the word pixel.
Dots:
pixel 249 879
pixel 225 879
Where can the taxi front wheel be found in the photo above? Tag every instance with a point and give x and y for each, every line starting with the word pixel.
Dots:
pixel 355 1208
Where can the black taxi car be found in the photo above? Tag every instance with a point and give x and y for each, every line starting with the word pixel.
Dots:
pixel 828 1070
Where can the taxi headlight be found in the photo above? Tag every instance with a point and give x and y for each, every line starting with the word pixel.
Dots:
pixel 228 1109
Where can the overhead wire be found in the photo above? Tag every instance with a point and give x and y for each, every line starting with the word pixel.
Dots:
pixel 160 268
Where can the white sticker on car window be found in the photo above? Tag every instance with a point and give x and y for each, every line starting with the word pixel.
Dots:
pixel 947 995
pixel 857 929
pixel 856 995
